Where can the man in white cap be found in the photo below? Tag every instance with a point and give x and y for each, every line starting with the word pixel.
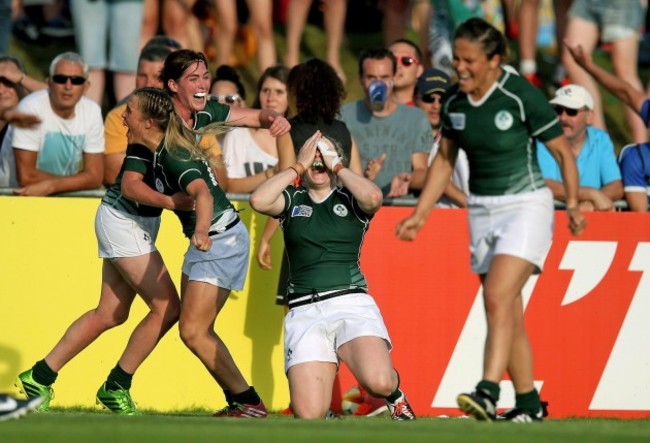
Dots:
pixel 600 176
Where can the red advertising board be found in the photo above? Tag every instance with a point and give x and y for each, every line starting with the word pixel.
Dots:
pixel 586 314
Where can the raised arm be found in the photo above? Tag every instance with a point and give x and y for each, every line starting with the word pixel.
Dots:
pixel 624 91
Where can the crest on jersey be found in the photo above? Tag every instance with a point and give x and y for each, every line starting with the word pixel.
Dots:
pixel 340 210
pixel 503 120
pixel 302 211
pixel 159 186
pixel 457 120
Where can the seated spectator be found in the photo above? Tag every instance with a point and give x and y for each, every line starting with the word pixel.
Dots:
pixel 11 91
pixel 66 152
pixel 392 138
pixel 634 161
pixel 227 88
pixel 13 70
pixel 430 88
pixel 600 177
pixel 409 69
pixel 150 64
pixel 251 154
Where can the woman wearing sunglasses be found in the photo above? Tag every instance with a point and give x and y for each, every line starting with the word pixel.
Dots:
pixel 495 117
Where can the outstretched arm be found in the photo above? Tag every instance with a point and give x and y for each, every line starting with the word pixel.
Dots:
pixel 624 91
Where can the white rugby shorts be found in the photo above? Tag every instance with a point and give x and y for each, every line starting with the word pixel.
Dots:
pixel 520 225
pixel 120 234
pixel 315 331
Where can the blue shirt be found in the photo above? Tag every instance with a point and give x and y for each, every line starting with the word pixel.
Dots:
pixel 635 168
pixel 596 162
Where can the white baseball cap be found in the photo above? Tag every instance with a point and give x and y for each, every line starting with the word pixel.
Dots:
pixel 573 97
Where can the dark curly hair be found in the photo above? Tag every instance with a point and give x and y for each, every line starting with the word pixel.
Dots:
pixel 317 89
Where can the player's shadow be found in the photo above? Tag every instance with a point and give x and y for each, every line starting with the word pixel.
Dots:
pixel 9 366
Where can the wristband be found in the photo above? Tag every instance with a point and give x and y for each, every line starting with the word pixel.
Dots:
pixel 337 168
pixel 299 168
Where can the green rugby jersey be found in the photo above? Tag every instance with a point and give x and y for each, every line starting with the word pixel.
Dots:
pixel 213 112
pixel 323 240
pixel 172 173
pixel 498 134
pixel 138 159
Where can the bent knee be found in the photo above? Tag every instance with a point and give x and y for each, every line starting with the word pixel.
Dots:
pixel 381 387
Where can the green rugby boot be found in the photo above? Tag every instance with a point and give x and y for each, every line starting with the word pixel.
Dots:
pixel 33 389
pixel 118 401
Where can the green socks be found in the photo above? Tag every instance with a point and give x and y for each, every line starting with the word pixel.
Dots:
pixel 528 401
pixel 490 387
pixel 43 374
pixel 118 379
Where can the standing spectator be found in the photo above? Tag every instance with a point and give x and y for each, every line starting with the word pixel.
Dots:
pixel 617 22
pixel 66 152
pixel 495 116
pixel 187 79
pixel 528 30
pixel 261 20
pixel 409 69
pixel 149 66
pixel 634 161
pixel 600 177
pixel 331 316
pixel 251 154
pixel 334 12
pixel 393 139
pixel 430 88
pixel 5 25
pixel 108 35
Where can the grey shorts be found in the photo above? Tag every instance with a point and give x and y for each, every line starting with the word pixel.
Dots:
pixel 226 263
pixel 616 19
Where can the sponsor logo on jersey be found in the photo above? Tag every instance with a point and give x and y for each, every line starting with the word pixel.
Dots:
pixel 302 211
pixel 159 185
pixel 340 210
pixel 503 120
pixel 457 120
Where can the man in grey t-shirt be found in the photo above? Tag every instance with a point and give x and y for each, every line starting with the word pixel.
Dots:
pixel 393 140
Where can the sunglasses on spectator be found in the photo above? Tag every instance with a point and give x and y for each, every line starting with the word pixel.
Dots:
pixel 406 60
pixel 431 98
pixel 228 98
pixel 63 79
pixel 570 112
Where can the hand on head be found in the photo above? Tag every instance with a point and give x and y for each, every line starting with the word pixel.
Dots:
pixel 307 153
pixel 328 152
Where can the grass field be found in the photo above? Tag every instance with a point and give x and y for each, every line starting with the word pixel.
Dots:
pixel 73 427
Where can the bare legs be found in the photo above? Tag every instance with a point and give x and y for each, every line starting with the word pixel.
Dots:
pixel 311 383
pixel 506 345
pixel 202 302
pixel 146 275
